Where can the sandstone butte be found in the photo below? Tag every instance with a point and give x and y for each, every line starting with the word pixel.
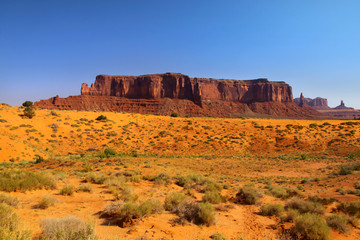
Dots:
pixel 169 93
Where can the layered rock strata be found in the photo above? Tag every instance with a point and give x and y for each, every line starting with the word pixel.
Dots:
pixel 175 92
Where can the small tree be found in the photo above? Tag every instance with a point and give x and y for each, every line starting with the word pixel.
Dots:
pixel 27 104
pixel 29 110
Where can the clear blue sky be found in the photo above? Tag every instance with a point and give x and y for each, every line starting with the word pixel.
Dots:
pixel 51 47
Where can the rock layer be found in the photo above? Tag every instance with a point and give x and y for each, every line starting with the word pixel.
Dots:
pixel 179 86
pixel 175 92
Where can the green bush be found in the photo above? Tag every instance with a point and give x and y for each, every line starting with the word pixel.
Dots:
pixel 174 114
pixel 173 200
pixel 13 180
pixel 101 118
pixel 272 209
pixel 109 152
pixel 67 190
pixel 311 226
pixel 46 202
pixel 304 206
pixel 68 228
pixel 248 195
pixel 338 222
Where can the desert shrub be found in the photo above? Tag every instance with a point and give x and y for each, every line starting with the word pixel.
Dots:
pixel 8 219
pixel 96 178
pixel 272 209
pixel 109 152
pixel 290 215
pixel 111 209
pixel 9 225
pixel 13 180
pixel 248 195
pixel 39 159
pixel 67 190
pixel 68 228
pixel 351 208
pixel 85 188
pixel 174 114
pixel 311 226
pixel 276 191
pixel 101 118
pixel 218 236
pixel 338 222
pixel 345 170
pixel 323 201
pixel 125 193
pixel 29 112
pixel 115 181
pixel 213 197
pixel 357 185
pixel 47 201
pixel 151 206
pixel 184 182
pixel 304 206
pixel 162 179
pixel 281 192
pixel 9 200
pixel 198 182
pixel 206 214
pixel 126 213
pixel 200 214
pixel 173 200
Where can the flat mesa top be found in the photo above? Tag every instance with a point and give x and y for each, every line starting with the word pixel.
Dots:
pixel 257 80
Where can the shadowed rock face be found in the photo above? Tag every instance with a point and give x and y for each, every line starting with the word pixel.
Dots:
pixel 179 86
pixel 174 92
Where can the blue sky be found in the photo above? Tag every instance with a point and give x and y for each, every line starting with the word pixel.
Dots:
pixel 51 47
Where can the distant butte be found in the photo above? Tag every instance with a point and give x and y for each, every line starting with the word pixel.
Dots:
pixel 321 105
pixel 166 93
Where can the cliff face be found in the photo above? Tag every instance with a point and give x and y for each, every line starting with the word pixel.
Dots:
pixel 175 92
pixel 179 86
